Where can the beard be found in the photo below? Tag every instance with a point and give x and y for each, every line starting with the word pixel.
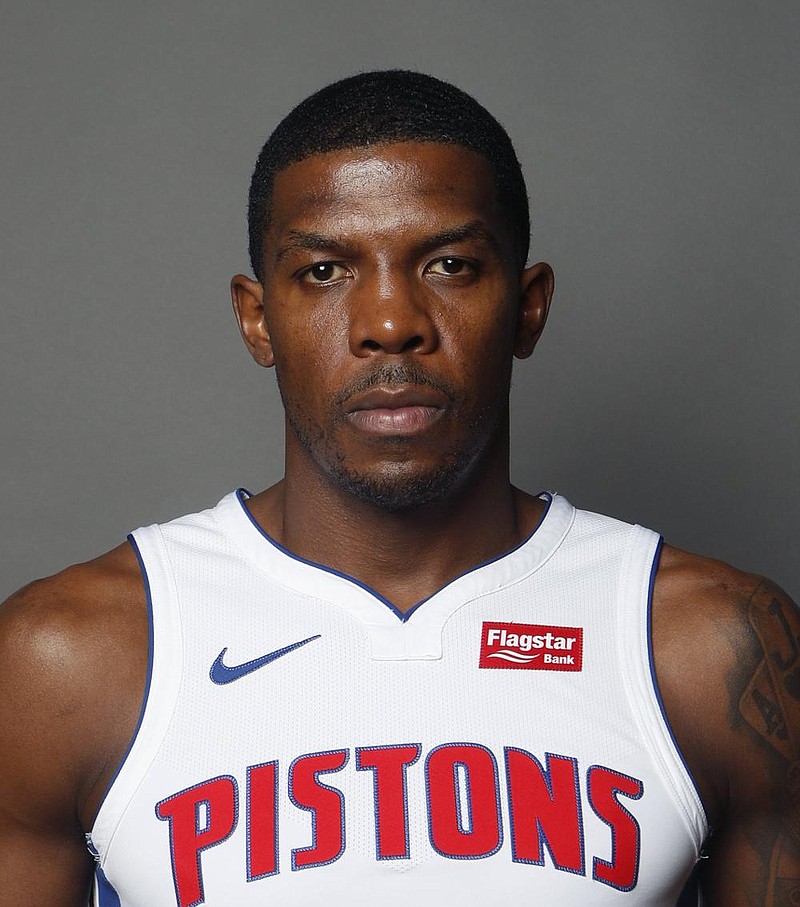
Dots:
pixel 398 486
pixel 399 492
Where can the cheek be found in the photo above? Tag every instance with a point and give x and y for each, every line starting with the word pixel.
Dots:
pixel 307 345
pixel 484 336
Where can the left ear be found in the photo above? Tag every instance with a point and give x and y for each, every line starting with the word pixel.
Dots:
pixel 536 292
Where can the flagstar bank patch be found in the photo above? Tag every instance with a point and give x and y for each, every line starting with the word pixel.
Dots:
pixel 532 647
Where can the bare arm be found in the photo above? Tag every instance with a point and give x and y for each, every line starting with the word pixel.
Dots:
pixel 764 825
pixel 730 663
pixel 71 663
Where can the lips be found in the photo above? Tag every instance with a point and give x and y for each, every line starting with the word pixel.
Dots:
pixel 393 410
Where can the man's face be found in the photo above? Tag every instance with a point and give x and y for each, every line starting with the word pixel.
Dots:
pixel 392 306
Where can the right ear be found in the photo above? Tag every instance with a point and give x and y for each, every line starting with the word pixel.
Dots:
pixel 247 296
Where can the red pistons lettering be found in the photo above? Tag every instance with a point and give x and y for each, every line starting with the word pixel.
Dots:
pixel 552 796
pixel 262 820
pixel 547 804
pixel 326 805
pixel 463 801
pixel 388 765
pixel 604 788
pixel 199 818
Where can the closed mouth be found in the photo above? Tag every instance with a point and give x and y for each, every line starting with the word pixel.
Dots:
pixel 396 410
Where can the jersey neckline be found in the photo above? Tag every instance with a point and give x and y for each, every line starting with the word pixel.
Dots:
pixel 365 603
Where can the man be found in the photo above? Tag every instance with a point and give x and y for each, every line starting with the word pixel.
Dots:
pixel 393 675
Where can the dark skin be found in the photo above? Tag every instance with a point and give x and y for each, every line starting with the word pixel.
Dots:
pixel 385 276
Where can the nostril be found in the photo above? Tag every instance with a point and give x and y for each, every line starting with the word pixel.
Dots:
pixel 371 345
pixel 413 343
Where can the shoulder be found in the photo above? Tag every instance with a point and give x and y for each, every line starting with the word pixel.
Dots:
pixel 721 639
pixel 87 592
pixel 710 617
pixel 73 657
pixel 700 605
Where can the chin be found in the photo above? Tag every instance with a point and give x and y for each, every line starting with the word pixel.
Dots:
pixel 398 490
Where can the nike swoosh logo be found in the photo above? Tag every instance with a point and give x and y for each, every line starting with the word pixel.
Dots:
pixel 220 672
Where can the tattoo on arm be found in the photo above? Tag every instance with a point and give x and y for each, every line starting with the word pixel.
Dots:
pixel 771 705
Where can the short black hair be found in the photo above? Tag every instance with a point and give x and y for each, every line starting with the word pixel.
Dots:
pixel 380 107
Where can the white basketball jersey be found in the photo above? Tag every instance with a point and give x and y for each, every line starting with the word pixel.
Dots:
pixel 304 743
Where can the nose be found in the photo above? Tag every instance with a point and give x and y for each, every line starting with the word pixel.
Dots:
pixel 391 318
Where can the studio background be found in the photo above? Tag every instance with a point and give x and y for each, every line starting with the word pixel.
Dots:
pixel 660 145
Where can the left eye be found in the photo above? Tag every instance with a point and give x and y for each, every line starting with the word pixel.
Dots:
pixel 449 266
pixel 325 272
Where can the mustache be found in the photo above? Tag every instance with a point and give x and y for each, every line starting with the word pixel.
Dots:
pixel 388 374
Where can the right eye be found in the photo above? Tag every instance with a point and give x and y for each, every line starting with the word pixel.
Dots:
pixel 324 272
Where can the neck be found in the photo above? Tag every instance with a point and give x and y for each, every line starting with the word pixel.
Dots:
pixel 405 555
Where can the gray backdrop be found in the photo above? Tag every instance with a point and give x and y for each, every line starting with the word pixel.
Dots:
pixel 660 143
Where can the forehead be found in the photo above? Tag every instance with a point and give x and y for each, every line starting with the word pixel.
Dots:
pixel 385 189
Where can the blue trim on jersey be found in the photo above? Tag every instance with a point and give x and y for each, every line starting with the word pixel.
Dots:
pixel 654 678
pixel 106 893
pixel 243 493
pixel 148 679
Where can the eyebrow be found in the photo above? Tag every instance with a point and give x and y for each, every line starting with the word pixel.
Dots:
pixel 300 240
pixel 475 229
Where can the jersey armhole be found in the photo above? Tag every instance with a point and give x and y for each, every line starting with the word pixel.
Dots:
pixel 164 667
pixel 636 591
